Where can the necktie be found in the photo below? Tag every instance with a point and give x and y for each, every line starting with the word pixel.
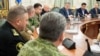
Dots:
pixel 96 11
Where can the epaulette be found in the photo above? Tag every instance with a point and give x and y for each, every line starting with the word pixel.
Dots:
pixel 15 33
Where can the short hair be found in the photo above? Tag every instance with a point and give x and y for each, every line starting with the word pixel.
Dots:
pixel 36 5
pixel 16 11
pixel 67 2
pixel 83 4
pixel 52 24
pixel 29 8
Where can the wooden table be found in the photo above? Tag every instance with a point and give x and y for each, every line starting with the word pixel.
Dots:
pixel 79 39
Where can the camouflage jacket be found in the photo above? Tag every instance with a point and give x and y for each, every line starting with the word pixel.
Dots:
pixel 39 47
pixel 34 21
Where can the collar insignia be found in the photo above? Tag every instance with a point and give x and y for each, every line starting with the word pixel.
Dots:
pixel 15 32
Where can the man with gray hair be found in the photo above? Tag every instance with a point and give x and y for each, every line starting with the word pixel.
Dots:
pixel 51 30
pixel 66 11
pixel 10 39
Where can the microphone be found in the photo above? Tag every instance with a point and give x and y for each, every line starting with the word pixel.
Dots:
pixel 88 51
pixel 80 16
pixel 88 45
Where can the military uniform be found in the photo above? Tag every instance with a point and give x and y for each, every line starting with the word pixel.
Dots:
pixel 10 40
pixel 35 21
pixel 39 47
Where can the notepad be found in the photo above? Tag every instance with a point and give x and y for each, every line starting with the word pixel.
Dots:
pixel 60 47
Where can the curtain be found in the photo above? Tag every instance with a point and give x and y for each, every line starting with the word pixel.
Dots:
pixel 60 3
pixel 91 4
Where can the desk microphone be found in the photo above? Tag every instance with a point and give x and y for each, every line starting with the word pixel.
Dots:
pixel 80 16
pixel 88 45
pixel 88 52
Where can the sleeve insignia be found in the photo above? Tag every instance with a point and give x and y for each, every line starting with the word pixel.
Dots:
pixel 19 45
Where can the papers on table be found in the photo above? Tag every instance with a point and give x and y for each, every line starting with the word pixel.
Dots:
pixel 60 47
pixel 73 31
pixel 95 48
pixel 37 29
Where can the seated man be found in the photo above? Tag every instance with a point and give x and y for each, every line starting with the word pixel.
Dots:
pixel 10 38
pixel 95 11
pixel 81 12
pixel 28 32
pixel 66 11
pixel 45 9
pixel 52 28
pixel 31 14
pixel 36 19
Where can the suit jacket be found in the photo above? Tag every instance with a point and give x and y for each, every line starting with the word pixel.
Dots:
pixel 80 13
pixel 63 11
pixel 43 11
pixel 10 40
pixel 93 12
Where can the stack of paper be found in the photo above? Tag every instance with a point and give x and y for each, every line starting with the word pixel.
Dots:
pixel 95 48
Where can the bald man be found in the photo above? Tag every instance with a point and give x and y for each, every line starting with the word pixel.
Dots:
pixel 95 11
pixel 45 9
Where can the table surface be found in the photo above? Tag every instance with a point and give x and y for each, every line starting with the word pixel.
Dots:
pixel 78 38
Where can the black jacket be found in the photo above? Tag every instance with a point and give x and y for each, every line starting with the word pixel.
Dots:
pixel 93 12
pixel 79 11
pixel 10 40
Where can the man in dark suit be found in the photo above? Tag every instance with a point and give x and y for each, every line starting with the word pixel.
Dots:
pixel 10 39
pixel 81 12
pixel 66 11
pixel 95 11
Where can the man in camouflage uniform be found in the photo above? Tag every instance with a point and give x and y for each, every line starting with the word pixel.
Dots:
pixel 51 35
pixel 35 21
pixel 28 32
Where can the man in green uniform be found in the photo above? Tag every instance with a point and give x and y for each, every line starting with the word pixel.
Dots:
pixel 52 26
pixel 36 19
pixel 31 13
pixel 10 39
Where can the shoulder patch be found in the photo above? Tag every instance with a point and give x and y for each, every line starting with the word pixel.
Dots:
pixel 19 45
